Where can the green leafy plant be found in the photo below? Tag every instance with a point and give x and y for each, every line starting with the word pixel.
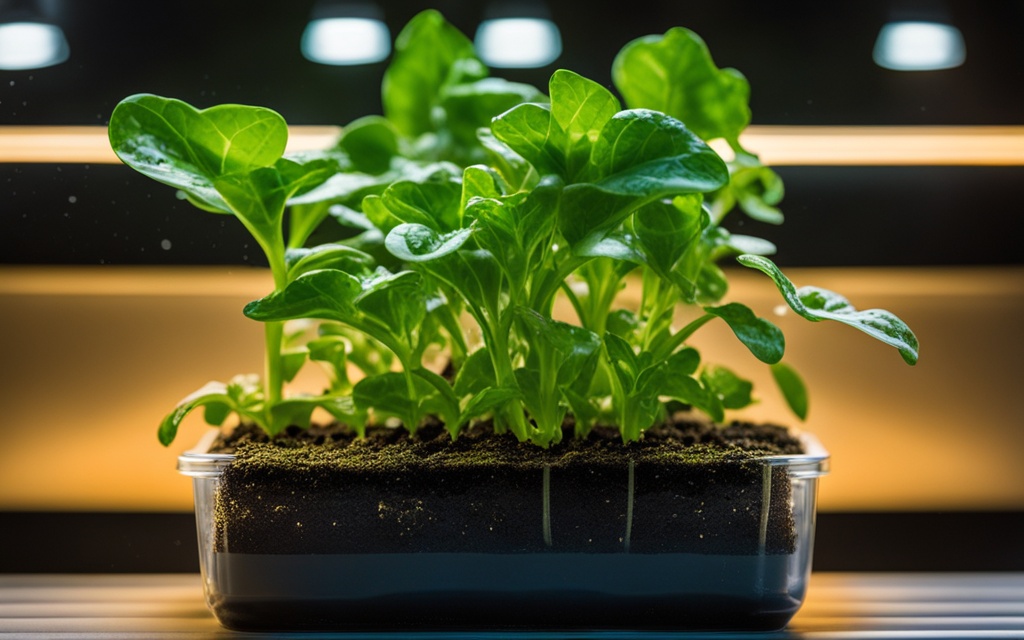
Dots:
pixel 462 213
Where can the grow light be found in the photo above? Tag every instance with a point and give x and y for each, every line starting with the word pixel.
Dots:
pixel 919 46
pixel 31 45
pixel 523 43
pixel 346 41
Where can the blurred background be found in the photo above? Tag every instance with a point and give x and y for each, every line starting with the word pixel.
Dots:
pixel 897 128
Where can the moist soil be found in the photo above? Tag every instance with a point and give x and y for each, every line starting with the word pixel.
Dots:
pixel 686 487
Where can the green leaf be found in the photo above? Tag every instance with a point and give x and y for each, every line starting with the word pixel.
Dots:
pixel 419 243
pixel 397 301
pixel 757 189
pixel 674 73
pixel 370 143
pixel 733 391
pixel 213 393
pixel 426 51
pixel 487 401
pixel 389 395
pixel 666 230
pixel 817 304
pixel 327 256
pixel 291 363
pixel 581 108
pixel 623 359
pixel 327 294
pixel 764 339
pixel 258 197
pixel 468 106
pixel 434 204
pixel 749 244
pixel 513 168
pixel 446 404
pixel 476 374
pixel 529 130
pixel 473 274
pixel 643 156
pixel 573 348
pixel 173 143
pixel 332 353
pixel 793 389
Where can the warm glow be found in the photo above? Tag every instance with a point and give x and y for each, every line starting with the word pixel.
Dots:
pixel 776 145
pixel 98 354
pixel 90 144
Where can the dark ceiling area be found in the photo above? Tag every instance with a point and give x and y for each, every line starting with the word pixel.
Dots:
pixel 808 62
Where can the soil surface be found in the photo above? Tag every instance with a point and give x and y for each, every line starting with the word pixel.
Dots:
pixel 687 487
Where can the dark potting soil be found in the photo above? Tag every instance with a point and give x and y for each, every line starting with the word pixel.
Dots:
pixel 687 487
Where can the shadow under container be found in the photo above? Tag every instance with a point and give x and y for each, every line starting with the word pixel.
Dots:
pixel 583 547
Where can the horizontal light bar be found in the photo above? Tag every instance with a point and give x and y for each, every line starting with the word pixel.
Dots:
pixel 776 145
pixel 89 144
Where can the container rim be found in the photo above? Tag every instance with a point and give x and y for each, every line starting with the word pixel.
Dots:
pixel 197 462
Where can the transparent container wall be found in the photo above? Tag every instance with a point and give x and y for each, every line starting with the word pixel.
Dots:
pixel 761 590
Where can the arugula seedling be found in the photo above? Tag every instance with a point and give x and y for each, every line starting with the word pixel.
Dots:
pixel 475 202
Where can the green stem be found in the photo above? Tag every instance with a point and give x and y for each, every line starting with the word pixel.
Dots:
pixel 274 334
pixel 668 347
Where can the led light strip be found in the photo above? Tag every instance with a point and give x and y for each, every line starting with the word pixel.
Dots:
pixel 776 145
pixel 87 144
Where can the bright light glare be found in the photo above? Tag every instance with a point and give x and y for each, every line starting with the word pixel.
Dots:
pixel 522 43
pixel 919 46
pixel 346 41
pixel 31 45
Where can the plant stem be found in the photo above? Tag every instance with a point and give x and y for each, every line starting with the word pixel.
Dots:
pixel 274 334
pixel 273 338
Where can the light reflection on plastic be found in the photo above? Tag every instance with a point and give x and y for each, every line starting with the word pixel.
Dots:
pixel 346 41
pixel 523 43
pixel 919 46
pixel 31 45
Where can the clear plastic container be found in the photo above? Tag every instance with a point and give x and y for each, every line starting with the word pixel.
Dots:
pixel 726 581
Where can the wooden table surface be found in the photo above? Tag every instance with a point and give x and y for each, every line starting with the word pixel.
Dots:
pixel 839 606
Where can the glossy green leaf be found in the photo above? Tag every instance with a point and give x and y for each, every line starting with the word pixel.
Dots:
pixel 178 145
pixel 327 256
pixel 469 106
pixel 793 389
pixel 757 189
pixel 396 300
pixel 327 294
pixel 581 108
pixel 665 230
pixel 434 204
pixel 419 243
pixel 817 304
pixel 425 52
pixel 213 393
pixel 674 73
pixel 573 348
pixel 528 130
pixel 764 339
pixel 643 156
pixel 513 168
